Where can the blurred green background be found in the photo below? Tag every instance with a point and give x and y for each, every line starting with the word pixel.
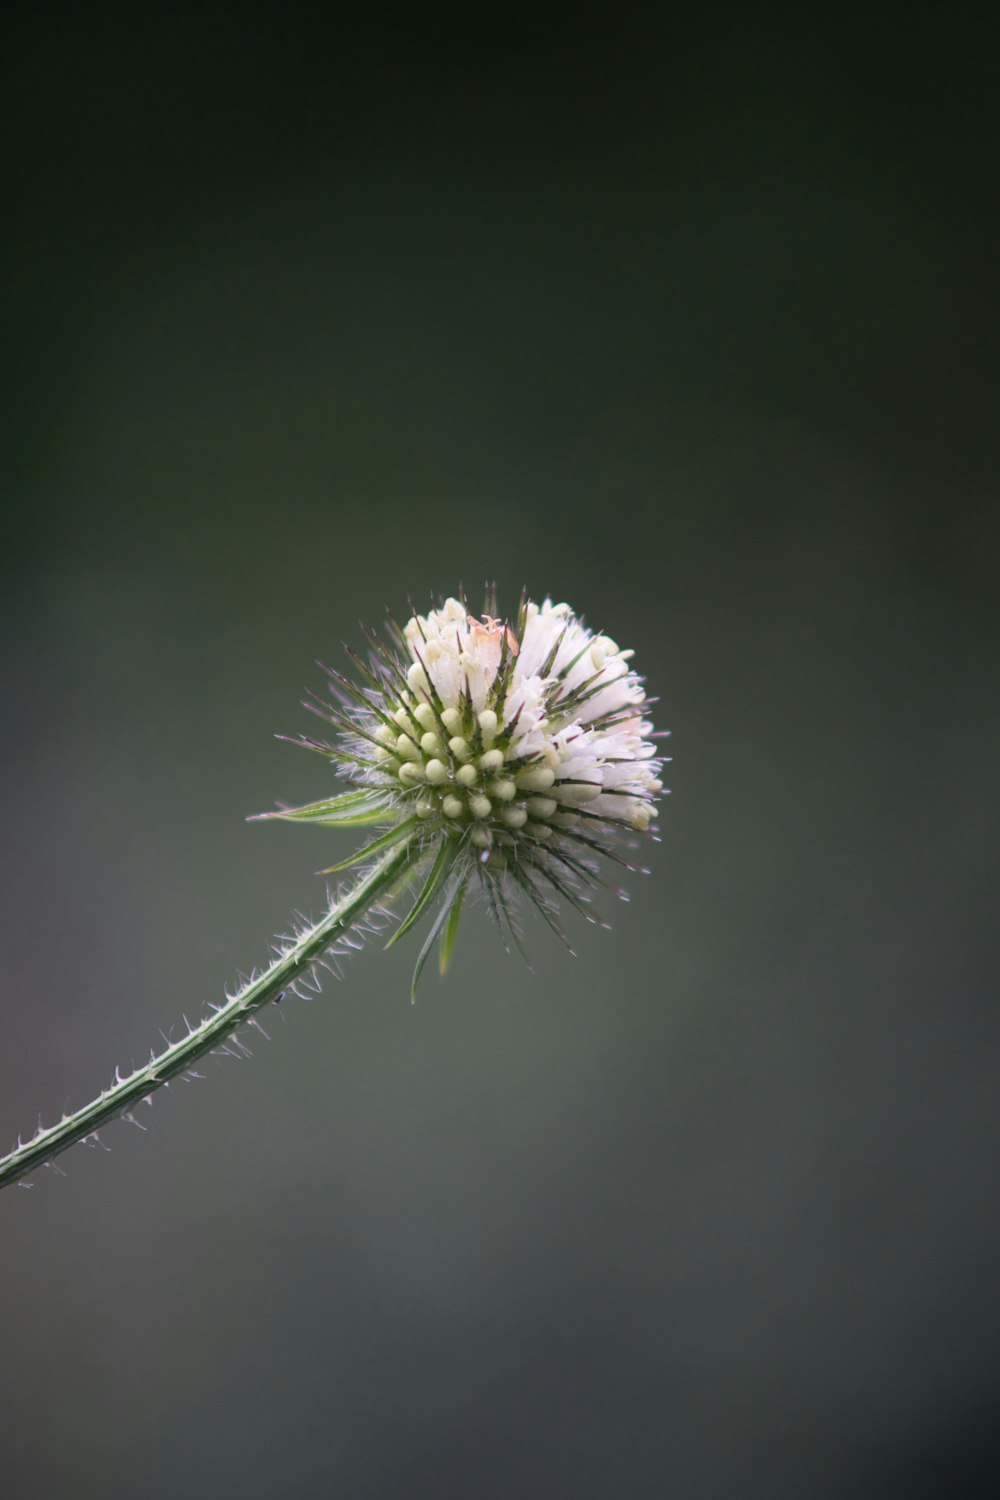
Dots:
pixel 691 324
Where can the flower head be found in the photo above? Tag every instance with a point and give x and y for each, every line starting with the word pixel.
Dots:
pixel 509 754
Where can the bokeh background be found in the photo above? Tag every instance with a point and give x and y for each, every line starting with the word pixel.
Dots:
pixel 694 325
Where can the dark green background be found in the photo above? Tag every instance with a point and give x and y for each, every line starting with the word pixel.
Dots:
pixel 693 325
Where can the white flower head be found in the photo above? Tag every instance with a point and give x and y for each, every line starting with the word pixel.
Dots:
pixel 507 753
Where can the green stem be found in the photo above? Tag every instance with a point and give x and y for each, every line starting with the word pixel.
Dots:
pixel 178 1057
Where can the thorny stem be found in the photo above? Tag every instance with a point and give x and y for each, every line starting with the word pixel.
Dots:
pixel 178 1058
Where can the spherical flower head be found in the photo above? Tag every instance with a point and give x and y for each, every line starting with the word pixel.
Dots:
pixel 509 754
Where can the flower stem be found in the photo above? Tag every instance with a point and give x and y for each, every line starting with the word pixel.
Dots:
pixel 222 1020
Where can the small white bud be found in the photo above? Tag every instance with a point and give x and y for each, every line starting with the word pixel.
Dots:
pixel 481 838
pixel 542 807
pixel 452 807
pixel 436 771
pixel 425 807
pixel 410 774
pixel 459 748
pixel 536 778
pixel 385 736
pixel 480 806
pixel 503 790
pixel 417 677
pixel 515 817
pixel 452 720
pixel 580 792
pixel 430 744
pixel 492 760
pixel 406 748
pixel 541 830
pixel 467 775
pixel 488 724
pixel 424 715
